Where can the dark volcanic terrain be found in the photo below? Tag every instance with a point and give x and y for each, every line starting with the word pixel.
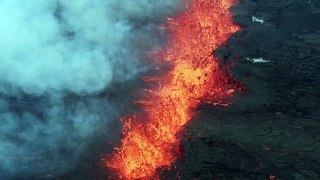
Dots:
pixel 272 130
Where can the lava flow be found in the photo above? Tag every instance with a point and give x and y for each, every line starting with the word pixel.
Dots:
pixel 149 139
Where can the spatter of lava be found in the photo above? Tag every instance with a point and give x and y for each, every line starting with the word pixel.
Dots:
pixel 149 139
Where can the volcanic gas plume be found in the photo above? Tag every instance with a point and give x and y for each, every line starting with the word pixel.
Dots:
pixel 149 137
pixel 57 60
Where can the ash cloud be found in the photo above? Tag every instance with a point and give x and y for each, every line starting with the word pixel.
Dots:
pixel 51 49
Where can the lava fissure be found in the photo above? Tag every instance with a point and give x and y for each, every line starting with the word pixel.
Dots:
pixel 149 140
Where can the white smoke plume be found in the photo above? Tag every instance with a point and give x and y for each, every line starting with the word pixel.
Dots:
pixel 50 49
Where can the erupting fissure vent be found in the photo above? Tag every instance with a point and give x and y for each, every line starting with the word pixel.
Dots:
pixel 149 139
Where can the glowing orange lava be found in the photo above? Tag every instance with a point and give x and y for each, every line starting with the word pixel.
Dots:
pixel 149 140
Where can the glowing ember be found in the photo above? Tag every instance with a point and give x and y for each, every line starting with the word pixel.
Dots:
pixel 150 140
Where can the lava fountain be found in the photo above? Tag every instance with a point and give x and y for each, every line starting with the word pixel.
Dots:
pixel 195 77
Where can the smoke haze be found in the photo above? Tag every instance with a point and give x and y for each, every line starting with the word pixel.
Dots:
pixel 51 49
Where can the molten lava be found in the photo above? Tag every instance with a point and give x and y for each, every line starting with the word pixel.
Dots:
pixel 149 139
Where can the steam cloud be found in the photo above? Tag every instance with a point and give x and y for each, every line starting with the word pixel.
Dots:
pixel 55 56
